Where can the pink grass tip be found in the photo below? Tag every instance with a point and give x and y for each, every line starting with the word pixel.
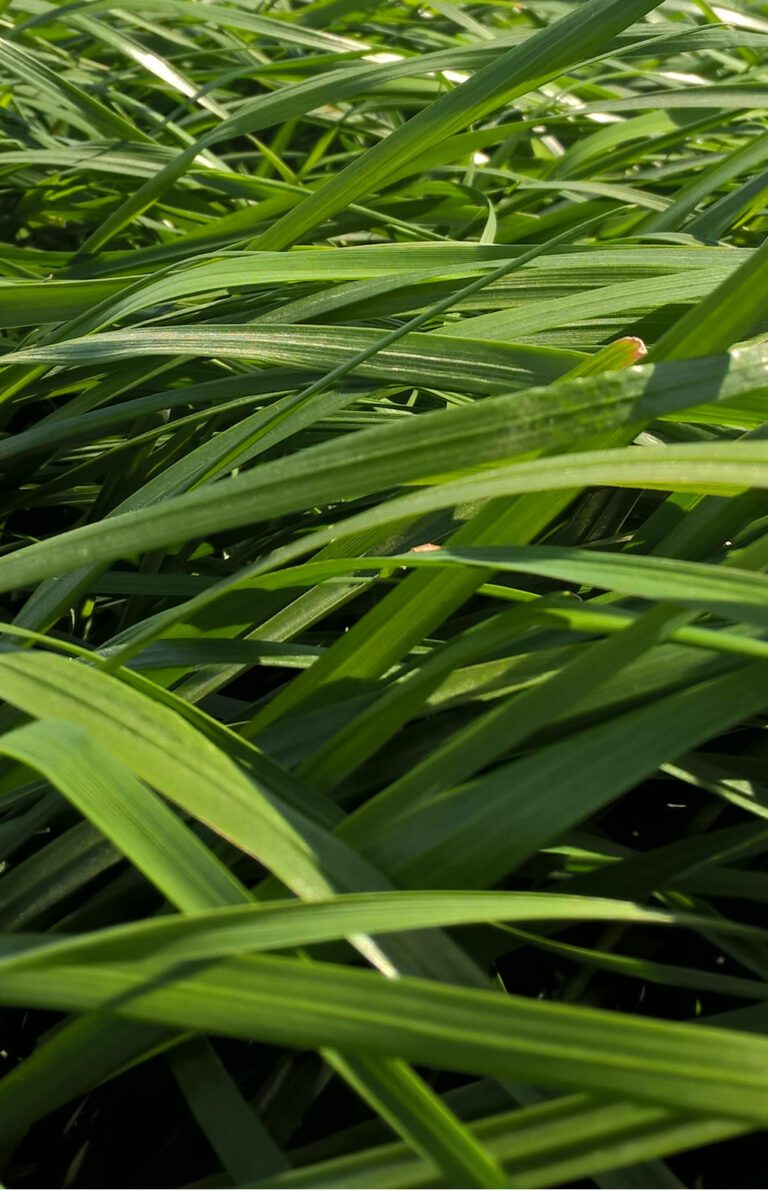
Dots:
pixel 640 349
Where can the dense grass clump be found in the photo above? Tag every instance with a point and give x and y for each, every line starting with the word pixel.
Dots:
pixel 384 642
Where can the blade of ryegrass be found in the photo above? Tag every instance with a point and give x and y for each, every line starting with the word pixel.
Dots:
pixel 562 1140
pixel 241 929
pixel 218 507
pixel 497 732
pixel 127 812
pixel 313 1004
pixel 242 1143
pixel 550 790
pixel 730 313
pixel 543 56
pixel 142 742
pixel 523 68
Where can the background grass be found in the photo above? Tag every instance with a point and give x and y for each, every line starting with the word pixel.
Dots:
pixel 384 641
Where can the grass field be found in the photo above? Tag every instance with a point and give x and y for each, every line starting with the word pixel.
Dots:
pixel 384 593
